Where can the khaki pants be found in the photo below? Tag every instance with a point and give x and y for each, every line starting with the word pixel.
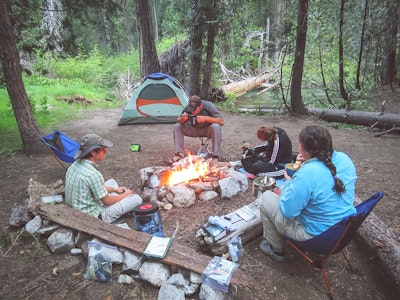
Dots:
pixel 275 225
pixel 113 212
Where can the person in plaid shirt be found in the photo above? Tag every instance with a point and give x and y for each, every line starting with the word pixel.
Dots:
pixel 85 188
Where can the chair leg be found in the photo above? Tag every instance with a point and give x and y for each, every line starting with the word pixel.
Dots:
pixel 328 286
pixel 347 261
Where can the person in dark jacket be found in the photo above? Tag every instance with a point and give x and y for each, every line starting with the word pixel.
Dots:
pixel 270 158
pixel 200 118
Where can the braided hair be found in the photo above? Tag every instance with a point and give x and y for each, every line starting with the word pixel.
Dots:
pixel 317 141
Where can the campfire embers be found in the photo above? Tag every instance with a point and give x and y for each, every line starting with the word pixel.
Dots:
pixel 189 179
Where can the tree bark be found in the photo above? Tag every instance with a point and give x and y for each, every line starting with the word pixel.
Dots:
pixel 29 130
pixel 343 92
pixel 366 9
pixel 212 24
pixel 392 24
pixel 297 104
pixel 147 49
pixel 196 43
pixel 244 86
pixel 364 118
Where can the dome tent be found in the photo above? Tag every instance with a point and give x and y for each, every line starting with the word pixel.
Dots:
pixel 159 98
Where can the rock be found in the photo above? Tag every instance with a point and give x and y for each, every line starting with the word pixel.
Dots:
pixel 131 261
pixel 183 196
pixel 229 187
pixel 208 195
pixel 170 292
pixel 207 292
pixel 155 273
pixel 19 216
pixel 125 279
pixel 61 241
pixel 75 251
pixel 34 225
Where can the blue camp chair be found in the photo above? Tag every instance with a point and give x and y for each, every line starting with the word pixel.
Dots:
pixel 61 146
pixel 335 239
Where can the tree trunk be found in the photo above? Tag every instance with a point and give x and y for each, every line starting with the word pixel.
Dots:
pixel 391 43
pixel 364 118
pixel 196 41
pixel 366 8
pixel 147 48
pixel 244 86
pixel 343 92
pixel 28 128
pixel 298 65
pixel 212 24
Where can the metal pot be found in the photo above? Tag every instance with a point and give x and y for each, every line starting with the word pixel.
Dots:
pixel 262 184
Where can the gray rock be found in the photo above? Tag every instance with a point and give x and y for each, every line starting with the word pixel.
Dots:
pixel 61 241
pixel 170 292
pixel 207 292
pixel 75 251
pixel 229 187
pixel 131 261
pixel 34 225
pixel 19 216
pixel 208 195
pixel 125 279
pixel 155 273
pixel 183 196
pixel 241 179
pixel 48 230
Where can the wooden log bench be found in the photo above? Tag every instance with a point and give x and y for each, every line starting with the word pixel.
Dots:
pixel 178 255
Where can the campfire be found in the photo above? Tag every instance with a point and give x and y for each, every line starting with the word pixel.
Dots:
pixel 192 169
pixel 189 179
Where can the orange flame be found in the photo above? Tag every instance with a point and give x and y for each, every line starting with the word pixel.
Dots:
pixel 195 170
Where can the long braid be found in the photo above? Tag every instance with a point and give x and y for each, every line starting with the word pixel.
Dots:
pixel 326 158
pixel 318 142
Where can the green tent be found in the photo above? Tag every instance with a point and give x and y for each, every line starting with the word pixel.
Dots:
pixel 159 98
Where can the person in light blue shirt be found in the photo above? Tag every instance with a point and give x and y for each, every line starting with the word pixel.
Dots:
pixel 319 195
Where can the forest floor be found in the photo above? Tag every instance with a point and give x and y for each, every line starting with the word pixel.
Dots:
pixel 26 264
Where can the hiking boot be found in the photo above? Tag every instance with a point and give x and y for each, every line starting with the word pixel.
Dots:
pixel 268 249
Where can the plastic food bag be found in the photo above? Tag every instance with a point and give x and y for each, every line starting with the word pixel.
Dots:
pixel 236 249
pixel 99 265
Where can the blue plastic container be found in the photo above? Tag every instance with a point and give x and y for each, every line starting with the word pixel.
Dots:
pixel 148 219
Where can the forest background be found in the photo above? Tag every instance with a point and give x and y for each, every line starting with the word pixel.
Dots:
pixel 315 54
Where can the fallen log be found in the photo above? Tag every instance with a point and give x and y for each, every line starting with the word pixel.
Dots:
pixel 246 85
pixel 178 255
pixel 386 244
pixel 363 118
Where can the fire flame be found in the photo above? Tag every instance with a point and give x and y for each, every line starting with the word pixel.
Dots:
pixel 195 170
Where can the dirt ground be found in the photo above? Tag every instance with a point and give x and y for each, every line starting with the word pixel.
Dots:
pixel 26 264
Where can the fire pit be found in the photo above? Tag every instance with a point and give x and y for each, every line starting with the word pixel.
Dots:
pixel 189 179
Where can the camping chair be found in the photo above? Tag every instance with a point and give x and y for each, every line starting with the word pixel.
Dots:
pixel 204 152
pixel 335 239
pixel 61 146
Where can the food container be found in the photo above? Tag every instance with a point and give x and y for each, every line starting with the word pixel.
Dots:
pixel 148 219
pixel 262 184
